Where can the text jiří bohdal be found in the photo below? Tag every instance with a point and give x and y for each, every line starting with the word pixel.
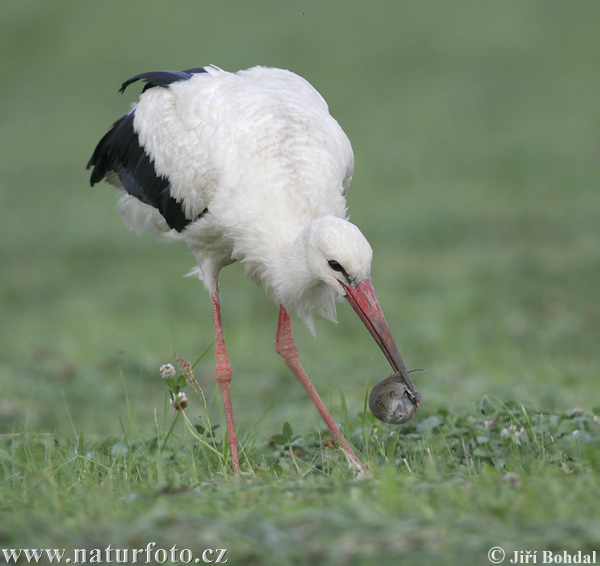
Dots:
pixel 550 557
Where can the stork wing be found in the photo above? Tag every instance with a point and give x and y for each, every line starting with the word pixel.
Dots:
pixel 161 78
pixel 119 154
pixel 199 131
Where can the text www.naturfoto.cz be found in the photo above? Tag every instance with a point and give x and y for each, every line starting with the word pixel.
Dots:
pixel 148 555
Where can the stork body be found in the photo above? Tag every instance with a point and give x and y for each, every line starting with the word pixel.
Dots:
pixel 249 167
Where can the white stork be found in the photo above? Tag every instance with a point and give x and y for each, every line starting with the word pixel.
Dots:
pixel 250 167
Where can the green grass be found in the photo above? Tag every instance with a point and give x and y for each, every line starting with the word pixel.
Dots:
pixel 474 125
pixel 447 488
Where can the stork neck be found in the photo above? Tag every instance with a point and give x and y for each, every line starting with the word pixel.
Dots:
pixel 294 283
pixel 294 261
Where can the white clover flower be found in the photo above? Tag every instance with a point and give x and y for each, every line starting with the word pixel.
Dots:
pixel 512 478
pixel 167 371
pixel 180 402
pixel 576 432
pixel 489 423
pixel 596 418
pixel 512 429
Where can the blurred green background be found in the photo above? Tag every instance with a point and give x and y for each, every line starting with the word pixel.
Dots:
pixel 476 134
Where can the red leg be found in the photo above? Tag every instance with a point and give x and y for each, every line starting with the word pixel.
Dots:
pixel 287 349
pixel 224 373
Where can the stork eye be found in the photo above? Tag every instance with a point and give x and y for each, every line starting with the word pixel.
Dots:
pixel 335 265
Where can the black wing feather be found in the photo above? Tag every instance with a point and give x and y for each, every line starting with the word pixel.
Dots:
pixel 120 151
pixel 161 78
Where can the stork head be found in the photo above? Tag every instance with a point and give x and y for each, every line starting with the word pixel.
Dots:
pixel 340 256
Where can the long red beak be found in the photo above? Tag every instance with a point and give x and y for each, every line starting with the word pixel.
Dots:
pixel 364 302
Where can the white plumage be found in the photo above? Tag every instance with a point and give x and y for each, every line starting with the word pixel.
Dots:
pixel 260 150
pixel 250 167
